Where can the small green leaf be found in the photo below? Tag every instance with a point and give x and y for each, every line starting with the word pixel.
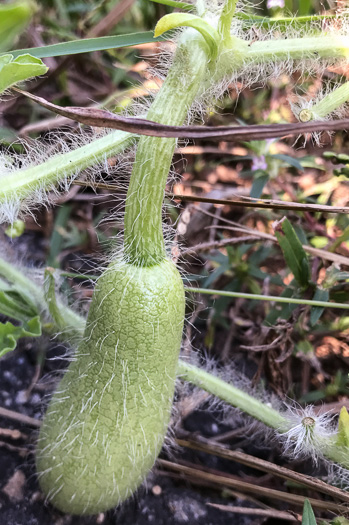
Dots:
pixel 289 160
pixel 9 334
pixel 317 311
pixel 258 184
pixel 13 70
pixel 319 241
pixel 343 428
pixel 340 521
pixel 14 18
pixel 87 45
pixel 293 251
pixel 173 20
pixel 16 308
pixel 51 300
pixel 308 517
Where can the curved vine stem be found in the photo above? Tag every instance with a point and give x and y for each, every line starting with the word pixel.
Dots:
pixel 144 242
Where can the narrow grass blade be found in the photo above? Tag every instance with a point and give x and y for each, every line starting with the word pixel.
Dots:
pixel 87 45
pixel 293 251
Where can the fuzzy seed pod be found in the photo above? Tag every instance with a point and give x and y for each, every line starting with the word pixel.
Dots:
pixel 106 423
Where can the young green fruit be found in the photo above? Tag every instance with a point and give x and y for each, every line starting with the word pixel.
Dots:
pixel 105 425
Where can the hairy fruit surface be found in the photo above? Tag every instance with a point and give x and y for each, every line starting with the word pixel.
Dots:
pixel 106 423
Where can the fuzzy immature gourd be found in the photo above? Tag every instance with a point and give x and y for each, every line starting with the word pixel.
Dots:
pixel 106 423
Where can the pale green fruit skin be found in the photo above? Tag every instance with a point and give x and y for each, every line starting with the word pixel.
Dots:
pixel 106 423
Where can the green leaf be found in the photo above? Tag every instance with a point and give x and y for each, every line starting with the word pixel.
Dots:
pixel 283 313
pixel 304 7
pixel 14 18
pixel 289 160
pixel 51 300
pixel 173 3
pixel 308 517
pixel 16 308
pixel 9 334
pixel 319 241
pixel 293 251
pixel 258 184
pixel 173 20
pixel 57 237
pixel 87 45
pixel 343 428
pixel 19 69
pixel 317 311
pixel 340 521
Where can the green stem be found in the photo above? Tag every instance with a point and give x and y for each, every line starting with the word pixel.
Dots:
pixel 277 299
pixel 18 185
pixel 332 47
pixel 144 243
pixel 253 407
pixel 232 395
pixel 282 23
pixel 327 105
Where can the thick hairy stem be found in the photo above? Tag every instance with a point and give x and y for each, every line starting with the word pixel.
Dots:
pixel 232 395
pixel 20 184
pixel 144 243
pixel 316 47
pixel 237 55
pixel 253 407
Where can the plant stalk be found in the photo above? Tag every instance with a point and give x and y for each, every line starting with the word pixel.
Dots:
pixel 331 102
pixel 232 395
pixel 253 407
pixel 21 184
pixel 316 47
pixel 144 243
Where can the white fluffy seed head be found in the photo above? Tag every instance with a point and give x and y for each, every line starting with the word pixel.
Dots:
pixel 308 434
